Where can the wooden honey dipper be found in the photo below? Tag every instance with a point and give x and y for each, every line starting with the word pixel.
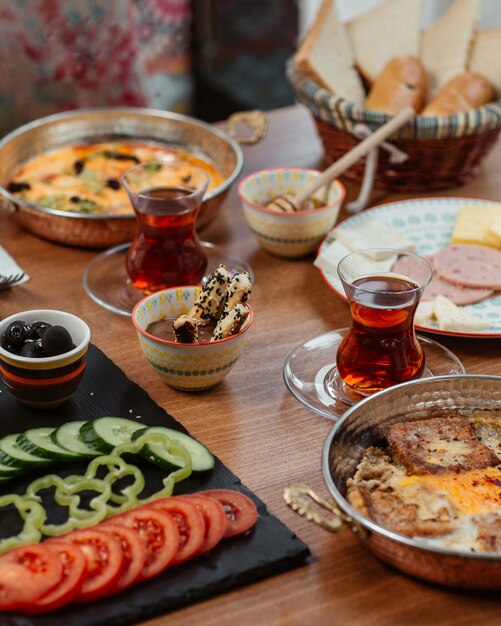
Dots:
pixel 289 203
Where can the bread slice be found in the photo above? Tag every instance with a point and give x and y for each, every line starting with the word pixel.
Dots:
pixel 485 55
pixel 391 29
pixel 445 46
pixel 438 445
pixel 325 55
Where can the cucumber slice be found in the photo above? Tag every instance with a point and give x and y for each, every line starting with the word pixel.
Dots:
pixel 201 459
pixel 106 433
pixel 38 441
pixel 7 471
pixel 12 454
pixel 67 436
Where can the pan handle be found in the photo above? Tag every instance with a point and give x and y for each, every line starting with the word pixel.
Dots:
pixel 255 120
pixel 300 498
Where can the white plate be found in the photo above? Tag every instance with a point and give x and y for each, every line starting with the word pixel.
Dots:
pixel 428 222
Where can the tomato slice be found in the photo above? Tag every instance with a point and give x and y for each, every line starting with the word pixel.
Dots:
pixel 190 525
pixel 105 561
pixel 26 574
pixel 133 550
pixel 158 532
pixel 74 570
pixel 241 512
pixel 215 520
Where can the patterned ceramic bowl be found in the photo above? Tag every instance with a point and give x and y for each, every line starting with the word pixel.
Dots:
pixel 49 381
pixel 185 366
pixel 291 234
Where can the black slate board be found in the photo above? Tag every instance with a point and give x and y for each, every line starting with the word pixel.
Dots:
pixel 268 549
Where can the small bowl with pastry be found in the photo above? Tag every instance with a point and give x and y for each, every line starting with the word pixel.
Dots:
pixel 281 226
pixel 43 356
pixel 193 336
pixel 354 75
pixel 414 472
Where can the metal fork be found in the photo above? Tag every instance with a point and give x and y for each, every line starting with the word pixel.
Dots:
pixel 10 281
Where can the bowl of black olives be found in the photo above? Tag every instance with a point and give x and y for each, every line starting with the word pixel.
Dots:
pixel 43 355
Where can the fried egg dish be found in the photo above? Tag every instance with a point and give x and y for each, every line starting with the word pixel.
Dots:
pixel 437 479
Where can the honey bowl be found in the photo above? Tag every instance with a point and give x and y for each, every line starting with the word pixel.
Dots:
pixel 44 382
pixel 185 366
pixel 289 234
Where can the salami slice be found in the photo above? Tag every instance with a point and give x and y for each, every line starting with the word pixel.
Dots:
pixel 439 286
pixel 470 266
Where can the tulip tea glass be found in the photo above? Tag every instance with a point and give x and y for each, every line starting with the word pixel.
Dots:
pixel 166 251
pixel 331 372
pixel 381 348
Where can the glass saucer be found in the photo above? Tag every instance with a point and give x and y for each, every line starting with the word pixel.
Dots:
pixel 311 375
pixel 107 283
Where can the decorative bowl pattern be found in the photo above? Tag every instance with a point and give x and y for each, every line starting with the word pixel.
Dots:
pixel 47 382
pixel 292 234
pixel 184 366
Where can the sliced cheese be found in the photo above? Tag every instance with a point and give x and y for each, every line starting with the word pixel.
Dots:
pixel 373 233
pixel 331 255
pixel 425 313
pixel 451 317
pixel 474 223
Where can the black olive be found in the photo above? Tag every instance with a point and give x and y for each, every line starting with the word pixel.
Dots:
pixel 56 340
pixel 113 183
pixel 75 199
pixel 32 348
pixel 38 329
pixel 17 333
pixel 119 156
pixel 21 186
pixel 78 166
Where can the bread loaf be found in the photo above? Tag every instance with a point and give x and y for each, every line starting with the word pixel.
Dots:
pixel 462 93
pixel 325 55
pixel 402 83
pixel 390 29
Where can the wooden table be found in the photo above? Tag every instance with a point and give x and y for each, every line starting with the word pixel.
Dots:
pixel 254 424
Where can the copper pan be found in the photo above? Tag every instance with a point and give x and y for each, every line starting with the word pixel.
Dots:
pixel 359 428
pixel 90 125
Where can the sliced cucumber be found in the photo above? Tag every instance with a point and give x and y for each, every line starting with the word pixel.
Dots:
pixel 7 471
pixel 201 459
pixel 12 454
pixel 67 436
pixel 106 433
pixel 39 441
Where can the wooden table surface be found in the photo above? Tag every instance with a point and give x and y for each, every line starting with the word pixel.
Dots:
pixel 251 421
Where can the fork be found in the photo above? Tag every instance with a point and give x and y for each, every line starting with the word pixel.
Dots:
pixel 9 281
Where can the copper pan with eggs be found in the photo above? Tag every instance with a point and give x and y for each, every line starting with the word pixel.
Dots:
pixel 93 126
pixel 363 427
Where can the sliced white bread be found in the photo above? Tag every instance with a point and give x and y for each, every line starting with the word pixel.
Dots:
pixel 446 44
pixel 485 55
pixel 325 55
pixel 391 29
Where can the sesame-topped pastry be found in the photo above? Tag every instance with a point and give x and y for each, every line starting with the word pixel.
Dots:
pixel 210 301
pixel 186 329
pixel 231 323
pixel 239 290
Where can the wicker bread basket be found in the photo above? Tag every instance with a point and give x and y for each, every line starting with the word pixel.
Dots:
pixel 443 152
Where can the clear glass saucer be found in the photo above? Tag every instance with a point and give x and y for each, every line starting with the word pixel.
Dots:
pixel 311 375
pixel 106 281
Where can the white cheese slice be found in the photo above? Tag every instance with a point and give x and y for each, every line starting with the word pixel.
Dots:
pixel 425 313
pixel 331 255
pixel 451 317
pixel 372 233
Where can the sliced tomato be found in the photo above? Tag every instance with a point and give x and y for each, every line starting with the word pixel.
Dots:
pixel 241 512
pixel 134 552
pixel 190 524
pixel 74 570
pixel 105 561
pixel 158 532
pixel 215 520
pixel 26 574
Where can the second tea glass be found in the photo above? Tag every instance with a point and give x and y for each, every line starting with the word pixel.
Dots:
pixel 166 251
